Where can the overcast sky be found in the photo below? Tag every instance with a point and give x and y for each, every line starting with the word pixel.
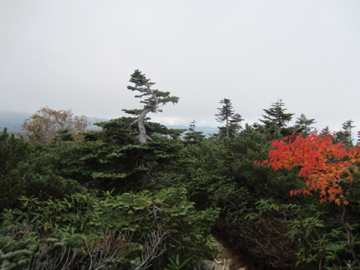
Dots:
pixel 79 55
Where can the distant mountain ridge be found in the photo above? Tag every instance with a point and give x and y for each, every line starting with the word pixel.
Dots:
pixel 13 121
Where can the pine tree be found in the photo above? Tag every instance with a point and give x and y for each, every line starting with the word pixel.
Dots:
pixel 225 114
pixel 13 155
pixel 304 123
pixel 348 126
pixel 325 131
pixel 276 120
pixel 152 102
pixel 345 135
pixel 193 136
pixel 235 123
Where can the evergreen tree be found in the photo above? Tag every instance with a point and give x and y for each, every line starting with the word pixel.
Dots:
pixel 235 123
pixel 276 120
pixel 304 123
pixel 325 131
pixel 226 114
pixel 111 159
pixel 13 155
pixel 152 102
pixel 347 126
pixel 193 136
pixel 345 135
pixel 34 171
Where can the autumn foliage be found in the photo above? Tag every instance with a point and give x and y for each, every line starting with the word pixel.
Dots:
pixel 44 125
pixel 326 166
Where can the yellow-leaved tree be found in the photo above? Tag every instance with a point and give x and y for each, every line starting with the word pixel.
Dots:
pixel 43 126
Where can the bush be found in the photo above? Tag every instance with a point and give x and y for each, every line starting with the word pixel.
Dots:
pixel 128 231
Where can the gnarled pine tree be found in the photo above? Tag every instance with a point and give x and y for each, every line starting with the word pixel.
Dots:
pixel 154 99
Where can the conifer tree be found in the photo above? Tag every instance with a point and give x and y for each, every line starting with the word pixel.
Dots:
pixel 347 126
pixel 13 155
pixel 193 136
pixel 345 135
pixel 154 99
pixel 325 131
pixel 226 112
pixel 276 120
pixel 235 123
pixel 304 123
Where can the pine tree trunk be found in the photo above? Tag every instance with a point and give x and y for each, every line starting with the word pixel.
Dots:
pixel 227 128
pixel 143 138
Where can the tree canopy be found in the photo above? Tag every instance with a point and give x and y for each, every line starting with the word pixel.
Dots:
pixel 43 126
pixel 275 119
pixel 232 120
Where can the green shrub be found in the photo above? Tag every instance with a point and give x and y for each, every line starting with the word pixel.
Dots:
pixel 127 231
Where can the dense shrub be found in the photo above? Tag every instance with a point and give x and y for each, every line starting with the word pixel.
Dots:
pixel 128 231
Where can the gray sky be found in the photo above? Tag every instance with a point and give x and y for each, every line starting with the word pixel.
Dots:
pixel 79 55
